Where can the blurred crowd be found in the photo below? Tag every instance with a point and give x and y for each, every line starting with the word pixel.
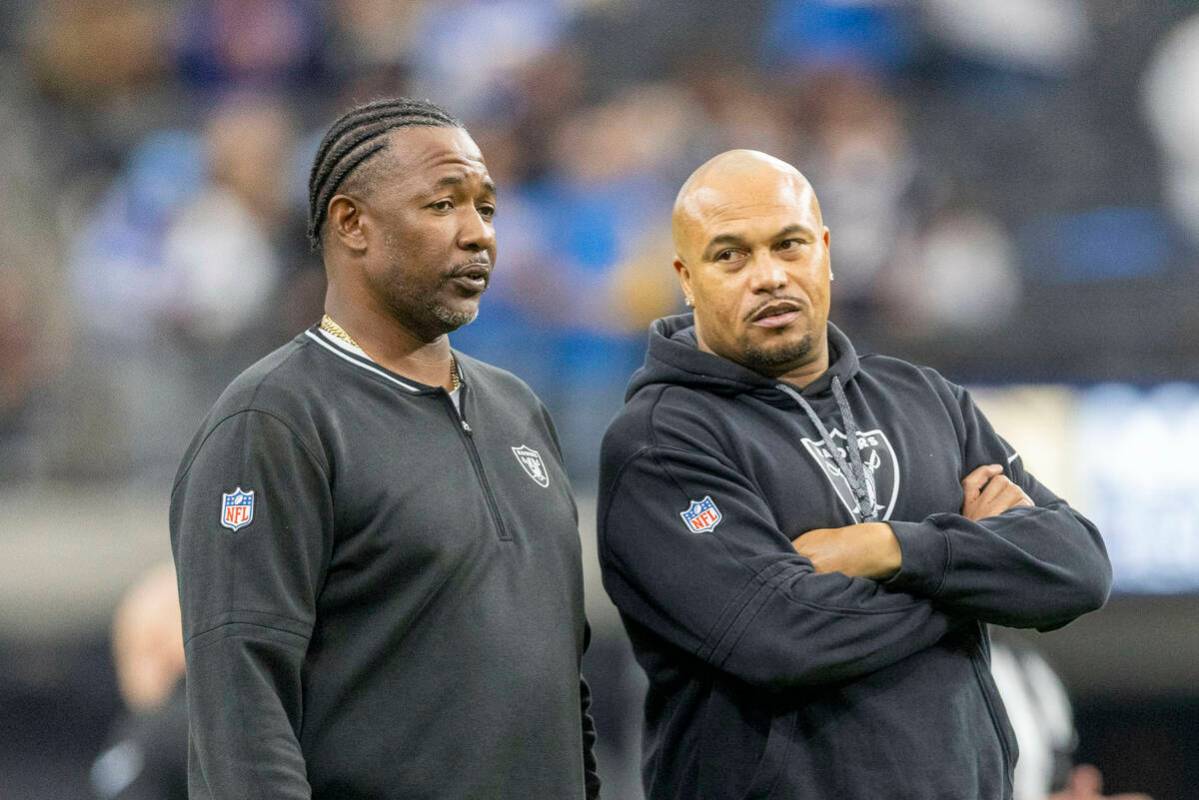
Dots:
pixel 1012 188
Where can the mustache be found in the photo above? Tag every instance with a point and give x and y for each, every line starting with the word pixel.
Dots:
pixel 479 268
pixel 784 303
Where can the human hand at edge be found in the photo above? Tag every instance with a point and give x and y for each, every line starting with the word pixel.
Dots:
pixel 1086 783
pixel 988 493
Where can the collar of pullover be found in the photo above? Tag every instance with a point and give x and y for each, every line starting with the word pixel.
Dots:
pixel 673 357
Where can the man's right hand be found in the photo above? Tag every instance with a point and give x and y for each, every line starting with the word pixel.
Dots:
pixel 988 493
pixel 1086 783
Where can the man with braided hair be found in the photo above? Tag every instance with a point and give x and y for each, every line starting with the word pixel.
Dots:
pixel 377 547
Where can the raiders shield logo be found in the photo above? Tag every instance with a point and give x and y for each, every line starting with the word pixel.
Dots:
pixel 882 470
pixel 533 466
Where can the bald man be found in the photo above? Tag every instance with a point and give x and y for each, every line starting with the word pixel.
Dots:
pixel 806 546
pixel 145 757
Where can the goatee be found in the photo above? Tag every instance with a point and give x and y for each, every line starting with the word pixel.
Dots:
pixel 453 320
pixel 775 361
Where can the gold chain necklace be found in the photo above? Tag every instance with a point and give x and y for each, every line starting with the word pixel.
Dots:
pixel 333 329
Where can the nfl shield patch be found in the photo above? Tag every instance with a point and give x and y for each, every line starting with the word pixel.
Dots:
pixel 701 516
pixel 237 509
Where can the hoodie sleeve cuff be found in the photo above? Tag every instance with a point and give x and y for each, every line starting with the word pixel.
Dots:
pixel 924 548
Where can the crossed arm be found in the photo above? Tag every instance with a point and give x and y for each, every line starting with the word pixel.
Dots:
pixel 871 549
pixel 1016 555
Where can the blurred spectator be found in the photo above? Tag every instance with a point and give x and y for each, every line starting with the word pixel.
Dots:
pixel 146 758
pixel 468 53
pixel 584 257
pixel 120 283
pixel 373 33
pixel 958 278
pixel 860 159
pixel 1042 718
pixel 124 393
pixel 33 314
pixel 1041 36
pixel 369 49
pixel 552 89
pixel 1172 108
pixel 601 208
pixel 736 109
pixel 147 640
pixel 106 67
pixel 87 50
pixel 1040 714
pixel 259 44
pixel 173 275
pixel 18 376
pixel 932 133
pixel 219 251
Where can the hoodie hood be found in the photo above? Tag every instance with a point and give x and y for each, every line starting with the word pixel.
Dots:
pixel 674 357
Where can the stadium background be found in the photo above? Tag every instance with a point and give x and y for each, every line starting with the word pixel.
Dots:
pixel 1013 190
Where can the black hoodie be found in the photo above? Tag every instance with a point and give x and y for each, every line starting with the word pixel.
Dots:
pixel 768 680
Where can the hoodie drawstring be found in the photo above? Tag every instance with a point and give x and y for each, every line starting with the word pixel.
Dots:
pixel 853 470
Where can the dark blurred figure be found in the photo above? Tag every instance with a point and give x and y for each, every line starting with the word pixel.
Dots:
pixel 146 758
pixel 93 53
pixel 229 44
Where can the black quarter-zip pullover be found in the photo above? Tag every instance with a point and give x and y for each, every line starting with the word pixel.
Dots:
pixel 382 594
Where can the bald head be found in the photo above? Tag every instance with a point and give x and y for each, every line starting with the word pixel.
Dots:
pixel 147 639
pixel 730 185
pixel 752 255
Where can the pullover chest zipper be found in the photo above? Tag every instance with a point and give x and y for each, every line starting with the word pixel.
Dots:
pixel 853 470
pixel 467 434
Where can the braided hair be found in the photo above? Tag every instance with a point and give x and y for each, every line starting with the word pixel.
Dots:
pixel 352 140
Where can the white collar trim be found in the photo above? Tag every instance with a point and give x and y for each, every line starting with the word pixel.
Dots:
pixel 340 348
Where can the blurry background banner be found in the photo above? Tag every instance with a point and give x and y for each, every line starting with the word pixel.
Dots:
pixel 1012 188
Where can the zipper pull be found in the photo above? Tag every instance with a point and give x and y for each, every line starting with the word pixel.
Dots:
pixel 466 427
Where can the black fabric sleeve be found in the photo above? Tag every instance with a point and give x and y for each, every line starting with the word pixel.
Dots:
pixel 739 597
pixel 248 599
pixel 1038 567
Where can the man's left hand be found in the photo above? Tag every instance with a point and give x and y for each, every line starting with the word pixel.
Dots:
pixel 865 550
